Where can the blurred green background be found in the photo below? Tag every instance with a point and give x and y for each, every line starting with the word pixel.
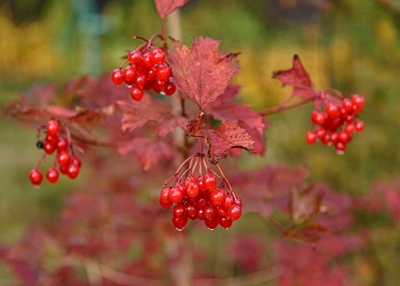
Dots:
pixel 350 45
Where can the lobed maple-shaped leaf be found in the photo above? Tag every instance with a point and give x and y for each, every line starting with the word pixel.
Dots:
pixel 166 7
pixel 298 78
pixel 306 204
pixel 149 152
pixel 224 109
pixel 201 71
pixel 150 110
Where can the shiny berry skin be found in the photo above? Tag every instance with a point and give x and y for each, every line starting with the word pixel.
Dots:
pixel 211 223
pixel 49 148
pixel 158 85
pixel 225 222
pixel 318 117
pixel 134 56
pixel 63 158
pixel 192 189
pixel 191 210
pixel 169 88
pixel 180 222
pixel 358 102
pixel 146 60
pixel 344 137
pixel 141 81
pixel 228 202
pixel 117 77
pixel 163 72
pixel 237 201
pixel 359 125
pixel 320 132
pixel 165 205
pixel 202 203
pixel 210 211
pixel 36 177
pixel 73 171
pixel 52 139
pixel 217 197
pixel 136 93
pixel 52 127
pixel 332 111
pixel 76 161
pixel 221 212
pixel 234 212
pixel 62 144
pixel 340 147
pixel 157 56
pixel 129 74
pixel 311 137
pixel 176 195
pixel 209 181
pixel 52 175
pixel 179 211
pixel 350 128
pixel 151 75
pixel 201 214
pixel 346 104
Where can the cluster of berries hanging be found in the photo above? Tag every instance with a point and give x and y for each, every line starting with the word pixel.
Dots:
pixel 199 197
pixel 147 70
pixel 56 140
pixel 338 123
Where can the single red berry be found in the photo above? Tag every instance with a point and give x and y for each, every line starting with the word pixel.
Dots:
pixel 349 118
pixel 136 93
pixel 334 137
pixel 141 81
pixel 211 223
pixel 237 200
pixel 202 203
pixel 165 205
pixel 344 137
pixel 63 158
pixel 151 75
pixel 359 125
pixel 146 60
pixel 52 175
pixel 64 169
pixel 318 117
pixel 209 182
pixel 157 56
pixel 234 212
pixel 180 222
pixel 332 111
pixel 176 195
pixel 201 214
pixel 158 85
pixel 350 128
pixel 62 144
pixel 358 102
pixel 164 194
pixel 52 139
pixel 192 189
pixel 163 72
pixel 228 202
pixel 311 137
pixel 169 88
pixel 320 132
pixel 76 161
pixel 134 56
pixel 225 222
pixel 179 211
pixel 221 212
pixel 191 210
pixel 73 171
pixel 340 148
pixel 327 139
pixel 347 105
pixel 117 77
pixel 217 197
pixel 52 127
pixel 130 74
pixel 49 148
pixel 210 211
pixel 36 177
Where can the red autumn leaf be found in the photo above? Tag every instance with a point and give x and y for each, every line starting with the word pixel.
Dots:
pixel 309 234
pixel 201 71
pixel 149 152
pixel 225 137
pixel 165 7
pixel 298 78
pixel 137 114
pixel 306 204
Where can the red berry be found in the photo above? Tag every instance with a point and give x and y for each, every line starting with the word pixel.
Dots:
pixel 179 211
pixel 225 222
pixel 163 72
pixel 209 182
pixel 73 171
pixel 63 158
pixel 136 93
pixel 234 212
pixel 157 56
pixel 217 197
pixel 340 147
pixel 151 75
pixel 191 210
pixel 327 139
pixel 237 201
pixel 192 189
pixel 52 139
pixel 221 212
pixel 211 223
pixel 334 137
pixel 359 125
pixel 52 127
pixel 52 175
pixel 344 137
pixel 358 102
pixel 149 85
pixel 318 117
pixel 311 137
pixel 62 144
pixel 332 111
pixel 346 105
pixel 210 211
pixel 76 161
pixel 146 60
pixel 117 77
pixel 141 81
pixel 165 205
pixel 176 195
pixel 202 203
pixel 180 222
pixel 350 128
pixel 158 85
pixel 64 169
pixel 201 214
pixel 49 148
pixel 130 74
pixel 134 56
pixel 36 177
pixel 169 88
pixel 228 202
pixel 320 132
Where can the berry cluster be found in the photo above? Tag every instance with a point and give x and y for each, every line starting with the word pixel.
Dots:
pixel 67 163
pixel 338 123
pixel 200 198
pixel 147 70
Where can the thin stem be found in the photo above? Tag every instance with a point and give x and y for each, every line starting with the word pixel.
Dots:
pixel 94 142
pixel 141 38
pixel 151 40
pixel 283 107
pixel 41 159
pixel 224 178
pixel 277 223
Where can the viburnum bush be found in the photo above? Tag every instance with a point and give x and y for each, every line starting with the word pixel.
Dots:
pixel 138 219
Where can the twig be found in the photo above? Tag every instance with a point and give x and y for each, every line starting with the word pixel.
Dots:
pixel 284 106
